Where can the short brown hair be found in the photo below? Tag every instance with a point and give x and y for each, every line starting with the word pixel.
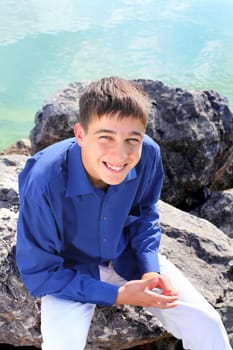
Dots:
pixel 112 96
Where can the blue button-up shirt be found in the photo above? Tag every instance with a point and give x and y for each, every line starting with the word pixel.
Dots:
pixel 67 227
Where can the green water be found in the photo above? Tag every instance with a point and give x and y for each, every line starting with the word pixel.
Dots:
pixel 45 45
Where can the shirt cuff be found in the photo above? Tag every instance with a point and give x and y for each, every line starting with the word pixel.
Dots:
pixel 148 262
pixel 105 293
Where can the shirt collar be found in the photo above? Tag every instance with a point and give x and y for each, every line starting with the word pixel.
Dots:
pixel 78 182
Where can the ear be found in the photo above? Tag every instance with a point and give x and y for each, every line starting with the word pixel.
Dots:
pixel 79 133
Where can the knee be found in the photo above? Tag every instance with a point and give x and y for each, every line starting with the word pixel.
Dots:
pixel 211 319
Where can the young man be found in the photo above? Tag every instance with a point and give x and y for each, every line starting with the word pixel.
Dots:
pixel 88 227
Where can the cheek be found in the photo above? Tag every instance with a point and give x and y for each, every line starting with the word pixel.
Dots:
pixel 137 154
pixel 137 157
pixel 101 149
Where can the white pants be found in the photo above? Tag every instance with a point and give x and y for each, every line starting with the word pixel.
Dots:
pixel 65 324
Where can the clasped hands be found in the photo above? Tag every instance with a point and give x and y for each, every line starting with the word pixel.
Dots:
pixel 144 292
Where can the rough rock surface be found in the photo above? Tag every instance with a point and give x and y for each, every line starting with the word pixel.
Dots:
pixel 22 146
pixel 218 209
pixel 195 132
pixel 14 299
pixel 193 128
pixel 55 120
pixel 195 245
pixel 191 242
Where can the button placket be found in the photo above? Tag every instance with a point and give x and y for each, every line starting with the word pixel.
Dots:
pixel 104 230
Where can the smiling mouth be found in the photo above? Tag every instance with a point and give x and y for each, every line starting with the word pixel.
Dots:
pixel 115 168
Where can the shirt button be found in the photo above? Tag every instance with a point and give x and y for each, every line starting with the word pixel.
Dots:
pixel 105 218
pixel 104 240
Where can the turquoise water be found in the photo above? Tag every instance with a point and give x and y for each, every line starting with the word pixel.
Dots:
pixel 45 45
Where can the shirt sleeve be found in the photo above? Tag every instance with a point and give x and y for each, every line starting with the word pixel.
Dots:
pixel 145 233
pixel 41 267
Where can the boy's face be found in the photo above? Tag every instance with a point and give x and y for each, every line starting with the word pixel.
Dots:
pixel 110 148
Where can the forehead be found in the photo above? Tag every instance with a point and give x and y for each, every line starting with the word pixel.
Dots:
pixel 116 123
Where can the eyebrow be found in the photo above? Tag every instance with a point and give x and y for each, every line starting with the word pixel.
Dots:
pixel 109 131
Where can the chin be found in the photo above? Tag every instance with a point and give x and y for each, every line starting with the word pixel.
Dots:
pixel 115 182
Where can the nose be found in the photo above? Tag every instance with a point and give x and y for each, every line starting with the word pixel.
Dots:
pixel 120 153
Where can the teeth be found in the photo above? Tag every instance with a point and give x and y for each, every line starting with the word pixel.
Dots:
pixel 117 168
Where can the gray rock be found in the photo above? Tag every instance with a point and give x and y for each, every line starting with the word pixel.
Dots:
pixel 22 146
pixel 19 313
pixel 226 313
pixel 197 247
pixel 10 165
pixel 202 251
pixel 218 209
pixel 194 130
pixel 55 120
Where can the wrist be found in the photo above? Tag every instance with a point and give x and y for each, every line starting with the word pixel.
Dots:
pixel 119 298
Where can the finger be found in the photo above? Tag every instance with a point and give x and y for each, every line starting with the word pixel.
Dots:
pixel 170 291
pixel 165 302
pixel 166 305
pixel 160 301
pixel 167 287
pixel 160 297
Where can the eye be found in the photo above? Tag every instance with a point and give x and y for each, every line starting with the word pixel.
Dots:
pixel 133 141
pixel 105 138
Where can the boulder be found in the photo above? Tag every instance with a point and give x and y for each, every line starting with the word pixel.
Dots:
pixel 14 298
pixel 55 120
pixel 22 146
pixel 195 132
pixel 193 128
pixel 218 209
pixel 10 166
pixel 201 250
